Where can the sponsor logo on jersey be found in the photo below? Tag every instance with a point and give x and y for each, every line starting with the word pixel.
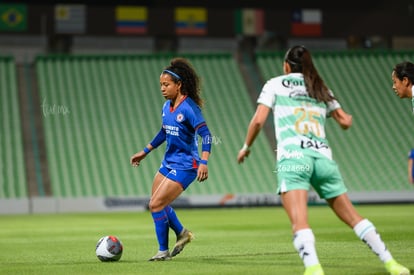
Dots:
pixel 171 130
pixel 313 144
pixel 296 93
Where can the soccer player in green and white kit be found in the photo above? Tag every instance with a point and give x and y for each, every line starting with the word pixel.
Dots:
pixel 301 102
pixel 403 80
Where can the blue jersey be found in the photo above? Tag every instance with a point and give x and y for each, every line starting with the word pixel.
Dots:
pixel 411 154
pixel 180 126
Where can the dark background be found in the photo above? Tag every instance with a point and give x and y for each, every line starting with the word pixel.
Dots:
pixel 339 18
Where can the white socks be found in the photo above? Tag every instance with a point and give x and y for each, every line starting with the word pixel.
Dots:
pixel 365 230
pixel 304 242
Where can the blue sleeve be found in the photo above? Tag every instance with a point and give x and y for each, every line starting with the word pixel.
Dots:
pixel 158 139
pixel 206 139
pixel 412 171
pixel 411 154
pixel 195 115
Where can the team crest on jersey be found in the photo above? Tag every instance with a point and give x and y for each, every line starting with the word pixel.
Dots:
pixel 179 117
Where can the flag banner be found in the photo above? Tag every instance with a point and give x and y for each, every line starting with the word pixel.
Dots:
pixel 131 19
pixel 13 17
pixel 306 22
pixel 190 21
pixel 249 22
pixel 70 19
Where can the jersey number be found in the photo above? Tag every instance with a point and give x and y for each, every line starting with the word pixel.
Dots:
pixel 307 121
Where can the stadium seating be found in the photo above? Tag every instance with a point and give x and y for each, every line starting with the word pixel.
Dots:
pixel 97 110
pixel 373 154
pixel 102 109
pixel 13 183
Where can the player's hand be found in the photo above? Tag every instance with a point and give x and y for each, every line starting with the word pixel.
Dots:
pixel 136 158
pixel 202 172
pixel 243 153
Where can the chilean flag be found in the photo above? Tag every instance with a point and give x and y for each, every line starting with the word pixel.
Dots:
pixel 306 22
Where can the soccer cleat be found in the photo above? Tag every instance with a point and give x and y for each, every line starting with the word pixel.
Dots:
pixel 182 240
pixel 161 256
pixel 314 270
pixel 395 268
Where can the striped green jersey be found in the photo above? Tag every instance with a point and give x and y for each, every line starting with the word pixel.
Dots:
pixel 299 119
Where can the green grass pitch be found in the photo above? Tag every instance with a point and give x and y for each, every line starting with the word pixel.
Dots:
pixel 227 241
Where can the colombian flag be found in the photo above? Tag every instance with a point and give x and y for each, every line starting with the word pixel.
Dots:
pixel 131 19
pixel 13 17
pixel 190 21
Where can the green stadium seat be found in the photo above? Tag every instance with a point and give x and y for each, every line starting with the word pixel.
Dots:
pixel 102 109
pixel 13 183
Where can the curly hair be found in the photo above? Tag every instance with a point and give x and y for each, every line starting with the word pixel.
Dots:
pixel 182 70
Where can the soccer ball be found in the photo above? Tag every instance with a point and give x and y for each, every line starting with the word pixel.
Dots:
pixel 109 249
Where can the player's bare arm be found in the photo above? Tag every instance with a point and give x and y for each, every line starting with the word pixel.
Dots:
pixel 342 118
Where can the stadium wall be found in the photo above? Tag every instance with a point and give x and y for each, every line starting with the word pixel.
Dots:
pixel 45 205
pixel 383 18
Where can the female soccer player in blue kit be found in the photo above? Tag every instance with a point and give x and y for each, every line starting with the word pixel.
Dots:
pixel 182 123
pixel 301 103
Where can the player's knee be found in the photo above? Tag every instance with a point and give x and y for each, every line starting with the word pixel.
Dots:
pixel 155 205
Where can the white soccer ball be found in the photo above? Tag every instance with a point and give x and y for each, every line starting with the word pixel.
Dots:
pixel 109 249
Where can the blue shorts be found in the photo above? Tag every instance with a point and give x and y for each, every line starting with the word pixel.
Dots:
pixel 183 177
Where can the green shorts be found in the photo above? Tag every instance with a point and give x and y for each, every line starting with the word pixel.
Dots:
pixel 302 173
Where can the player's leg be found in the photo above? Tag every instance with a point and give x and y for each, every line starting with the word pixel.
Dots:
pixel 295 204
pixel 184 236
pixel 366 231
pixel 184 178
pixel 164 191
pixel 293 184
pixel 173 220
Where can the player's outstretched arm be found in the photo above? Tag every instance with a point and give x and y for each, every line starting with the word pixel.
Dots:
pixel 255 125
pixel 342 118
pixel 156 141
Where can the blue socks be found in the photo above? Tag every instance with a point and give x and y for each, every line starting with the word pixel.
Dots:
pixel 161 228
pixel 163 220
pixel 175 224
